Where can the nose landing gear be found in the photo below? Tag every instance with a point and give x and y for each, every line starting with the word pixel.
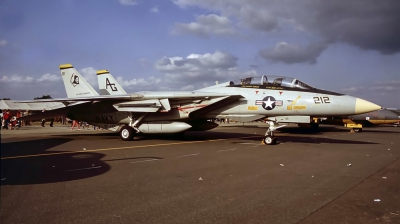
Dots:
pixel 269 138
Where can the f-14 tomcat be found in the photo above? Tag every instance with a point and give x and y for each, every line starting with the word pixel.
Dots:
pixel 277 99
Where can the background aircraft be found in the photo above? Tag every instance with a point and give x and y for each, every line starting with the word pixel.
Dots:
pixel 396 111
pixel 358 121
pixel 280 99
pixel 11 105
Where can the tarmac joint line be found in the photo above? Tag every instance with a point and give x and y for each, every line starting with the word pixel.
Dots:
pixel 194 154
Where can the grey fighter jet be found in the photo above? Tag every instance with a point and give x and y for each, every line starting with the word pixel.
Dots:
pixel 108 85
pixel 278 99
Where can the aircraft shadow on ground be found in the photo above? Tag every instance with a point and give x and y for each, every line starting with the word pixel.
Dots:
pixel 196 136
pixel 105 135
pixel 243 126
pixel 378 131
pixel 211 135
pixel 312 140
pixel 188 136
pixel 47 169
pixel 321 130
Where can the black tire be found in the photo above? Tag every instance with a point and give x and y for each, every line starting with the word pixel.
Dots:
pixel 126 133
pixel 357 130
pixel 269 140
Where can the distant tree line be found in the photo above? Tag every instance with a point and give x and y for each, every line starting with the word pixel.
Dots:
pixel 36 98
pixel 43 97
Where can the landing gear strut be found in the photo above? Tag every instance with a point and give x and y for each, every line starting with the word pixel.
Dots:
pixel 127 132
pixel 269 138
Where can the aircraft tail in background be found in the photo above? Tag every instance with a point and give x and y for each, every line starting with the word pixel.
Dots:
pixel 108 85
pixel 75 85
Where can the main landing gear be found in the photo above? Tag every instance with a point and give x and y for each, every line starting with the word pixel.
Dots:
pixel 127 133
pixel 269 138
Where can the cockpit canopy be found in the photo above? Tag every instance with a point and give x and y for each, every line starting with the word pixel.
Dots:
pixel 272 81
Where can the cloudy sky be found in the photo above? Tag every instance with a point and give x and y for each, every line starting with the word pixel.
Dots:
pixel 345 46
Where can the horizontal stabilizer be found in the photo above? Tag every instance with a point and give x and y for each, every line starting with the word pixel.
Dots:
pixel 137 96
pixel 54 113
pixel 92 98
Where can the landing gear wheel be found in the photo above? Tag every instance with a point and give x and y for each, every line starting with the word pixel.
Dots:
pixel 357 130
pixel 127 133
pixel 269 140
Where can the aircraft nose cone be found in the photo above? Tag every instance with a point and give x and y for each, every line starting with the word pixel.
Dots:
pixel 363 106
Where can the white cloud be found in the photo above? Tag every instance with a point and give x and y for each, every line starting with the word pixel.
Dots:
pixel 19 79
pixel 187 88
pixel 388 86
pixel 366 24
pixel 205 25
pixel 199 70
pixel 196 64
pixel 128 2
pixel 154 9
pixel 49 77
pixel 385 94
pixel 139 82
pixel 16 79
pixel 353 89
pixel 3 42
pixel 257 18
pixel 189 73
pixel 180 73
pixel 89 74
pixel 291 53
pixel 385 88
pixel 256 14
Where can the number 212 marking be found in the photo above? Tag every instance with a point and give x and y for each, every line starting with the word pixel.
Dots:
pixel 320 100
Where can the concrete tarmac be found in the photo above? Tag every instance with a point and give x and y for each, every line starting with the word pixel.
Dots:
pixel 225 175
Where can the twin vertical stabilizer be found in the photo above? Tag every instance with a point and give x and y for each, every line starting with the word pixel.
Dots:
pixel 75 84
pixel 108 85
